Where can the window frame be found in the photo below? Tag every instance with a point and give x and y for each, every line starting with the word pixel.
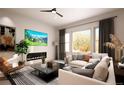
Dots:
pixel 81 31
pixel 67 42
pixel 95 39
pixel 90 26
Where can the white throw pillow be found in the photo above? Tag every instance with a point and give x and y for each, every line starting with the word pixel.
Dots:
pixel 101 70
pixel 106 59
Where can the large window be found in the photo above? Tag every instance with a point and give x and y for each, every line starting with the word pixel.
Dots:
pixel 84 38
pixel 97 39
pixel 81 41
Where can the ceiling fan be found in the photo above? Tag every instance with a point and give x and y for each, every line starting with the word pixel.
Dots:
pixel 52 11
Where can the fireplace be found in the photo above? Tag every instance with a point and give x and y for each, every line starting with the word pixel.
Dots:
pixel 36 56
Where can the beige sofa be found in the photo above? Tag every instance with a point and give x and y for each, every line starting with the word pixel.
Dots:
pixel 70 78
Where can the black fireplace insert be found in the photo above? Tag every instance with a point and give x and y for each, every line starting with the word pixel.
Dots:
pixel 36 56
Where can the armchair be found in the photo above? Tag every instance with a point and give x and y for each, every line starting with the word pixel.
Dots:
pixel 8 66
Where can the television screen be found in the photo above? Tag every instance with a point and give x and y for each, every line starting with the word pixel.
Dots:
pixel 35 38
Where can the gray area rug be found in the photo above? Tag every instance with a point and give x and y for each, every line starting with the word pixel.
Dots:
pixel 25 77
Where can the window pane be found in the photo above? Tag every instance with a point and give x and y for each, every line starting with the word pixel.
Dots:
pixel 81 41
pixel 67 47
pixel 67 39
pixel 97 40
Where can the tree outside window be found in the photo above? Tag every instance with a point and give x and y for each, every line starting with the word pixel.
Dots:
pixel 81 41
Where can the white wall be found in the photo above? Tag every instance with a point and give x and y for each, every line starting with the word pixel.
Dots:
pixel 119 22
pixel 21 22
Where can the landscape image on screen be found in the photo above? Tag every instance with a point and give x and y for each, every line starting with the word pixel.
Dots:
pixel 35 38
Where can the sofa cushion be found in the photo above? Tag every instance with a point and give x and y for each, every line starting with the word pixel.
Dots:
pixel 78 62
pixel 101 70
pixel 85 72
pixel 92 65
pixel 74 57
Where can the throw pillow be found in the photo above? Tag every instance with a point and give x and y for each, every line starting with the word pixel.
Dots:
pixel 79 57
pixel 106 59
pixel 86 58
pixel 92 65
pixel 101 71
pixel 85 72
pixel 74 57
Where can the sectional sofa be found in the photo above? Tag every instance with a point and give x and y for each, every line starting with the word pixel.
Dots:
pixel 70 78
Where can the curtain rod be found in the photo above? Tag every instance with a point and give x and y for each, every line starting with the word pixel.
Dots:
pixel 90 22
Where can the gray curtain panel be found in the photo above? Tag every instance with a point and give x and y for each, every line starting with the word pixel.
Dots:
pixel 61 44
pixel 106 27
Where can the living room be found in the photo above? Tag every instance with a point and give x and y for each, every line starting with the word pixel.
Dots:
pixel 61 29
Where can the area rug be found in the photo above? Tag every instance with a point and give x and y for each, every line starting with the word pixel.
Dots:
pixel 25 77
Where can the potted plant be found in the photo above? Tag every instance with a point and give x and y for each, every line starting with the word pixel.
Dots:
pixel 21 49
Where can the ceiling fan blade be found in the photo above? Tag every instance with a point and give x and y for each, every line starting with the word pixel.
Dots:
pixel 45 10
pixel 59 14
pixel 54 9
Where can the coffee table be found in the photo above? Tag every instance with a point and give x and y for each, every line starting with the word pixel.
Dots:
pixel 46 74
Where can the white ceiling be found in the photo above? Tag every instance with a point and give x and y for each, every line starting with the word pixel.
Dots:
pixel 69 14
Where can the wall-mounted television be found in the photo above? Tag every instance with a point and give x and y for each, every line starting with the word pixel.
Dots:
pixel 36 38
